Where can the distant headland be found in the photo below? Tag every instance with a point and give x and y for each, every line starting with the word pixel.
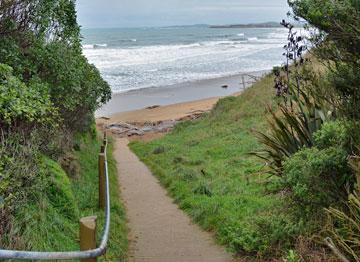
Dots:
pixel 252 25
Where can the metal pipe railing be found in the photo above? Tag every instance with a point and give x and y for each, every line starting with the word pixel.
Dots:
pixel 94 253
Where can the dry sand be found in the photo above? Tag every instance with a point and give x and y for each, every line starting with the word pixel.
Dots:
pixel 163 113
pixel 160 232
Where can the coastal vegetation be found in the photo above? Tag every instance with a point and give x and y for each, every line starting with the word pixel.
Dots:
pixel 277 176
pixel 48 146
pixel 274 173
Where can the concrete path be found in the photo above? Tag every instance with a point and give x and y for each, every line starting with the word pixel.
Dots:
pixel 160 232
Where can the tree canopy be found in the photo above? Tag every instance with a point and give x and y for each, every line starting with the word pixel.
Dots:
pixel 40 40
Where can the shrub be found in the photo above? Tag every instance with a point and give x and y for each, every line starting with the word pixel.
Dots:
pixel 76 87
pixel 316 179
pixel 41 41
pixel 346 79
pixel 334 134
pixel 21 104
pixel 263 233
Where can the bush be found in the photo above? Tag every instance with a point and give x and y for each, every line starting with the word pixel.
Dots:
pixel 263 233
pixel 21 104
pixel 346 79
pixel 334 134
pixel 40 40
pixel 317 179
pixel 76 87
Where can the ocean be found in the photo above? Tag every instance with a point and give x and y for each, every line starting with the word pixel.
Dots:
pixel 137 58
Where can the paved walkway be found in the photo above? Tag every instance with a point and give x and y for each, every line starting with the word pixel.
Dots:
pixel 159 231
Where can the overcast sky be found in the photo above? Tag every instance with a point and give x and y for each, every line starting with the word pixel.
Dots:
pixel 133 13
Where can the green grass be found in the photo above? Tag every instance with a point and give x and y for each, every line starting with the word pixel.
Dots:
pixel 51 221
pixel 48 222
pixel 206 167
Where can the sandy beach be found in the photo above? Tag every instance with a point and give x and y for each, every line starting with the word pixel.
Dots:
pixel 155 116
pixel 176 100
pixel 168 112
pixel 150 113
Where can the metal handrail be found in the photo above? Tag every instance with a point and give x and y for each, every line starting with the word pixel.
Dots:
pixel 93 253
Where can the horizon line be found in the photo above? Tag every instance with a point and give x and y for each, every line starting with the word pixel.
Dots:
pixel 176 25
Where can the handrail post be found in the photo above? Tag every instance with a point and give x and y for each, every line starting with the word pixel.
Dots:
pixel 102 149
pixel 105 140
pixel 102 185
pixel 88 235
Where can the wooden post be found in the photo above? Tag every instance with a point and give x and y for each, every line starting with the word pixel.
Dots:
pixel 102 190
pixel 243 81
pixel 88 235
pixel 102 150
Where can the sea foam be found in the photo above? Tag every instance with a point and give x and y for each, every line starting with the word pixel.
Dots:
pixel 137 58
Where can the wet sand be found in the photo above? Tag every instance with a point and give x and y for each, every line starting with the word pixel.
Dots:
pixel 176 94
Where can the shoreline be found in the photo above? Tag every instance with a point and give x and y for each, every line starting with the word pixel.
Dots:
pixel 188 92
pixel 151 123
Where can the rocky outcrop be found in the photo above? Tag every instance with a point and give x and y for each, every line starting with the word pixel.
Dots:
pixel 140 129
pixel 124 129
